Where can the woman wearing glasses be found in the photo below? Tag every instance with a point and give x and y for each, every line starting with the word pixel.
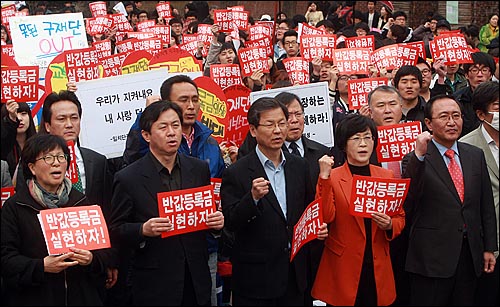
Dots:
pixel 30 275
pixel 355 268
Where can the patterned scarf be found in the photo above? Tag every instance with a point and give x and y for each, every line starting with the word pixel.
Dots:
pixel 47 199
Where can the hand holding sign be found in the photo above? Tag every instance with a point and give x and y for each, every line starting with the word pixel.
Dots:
pixel 382 220
pixel 156 225
pixel 56 264
pixel 82 256
pixel 215 220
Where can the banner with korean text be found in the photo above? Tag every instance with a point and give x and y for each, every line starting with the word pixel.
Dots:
pixel 317 111
pixel 187 209
pixel 395 141
pixel 38 39
pixel 20 83
pixel 358 90
pixel 372 194
pixel 307 227
pixel 80 227
pixel 111 106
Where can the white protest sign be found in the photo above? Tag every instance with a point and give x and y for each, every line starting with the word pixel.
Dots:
pixel 316 101
pixel 38 39
pixel 110 107
pixel 119 7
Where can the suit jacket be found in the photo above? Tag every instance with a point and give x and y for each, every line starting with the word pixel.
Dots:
pixel 98 180
pixel 337 279
pixel 376 17
pixel 263 235
pixel 313 151
pixel 158 268
pixel 477 139
pixel 439 216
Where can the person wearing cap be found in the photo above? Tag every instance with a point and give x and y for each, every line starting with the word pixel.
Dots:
pixel 313 16
pixel 265 17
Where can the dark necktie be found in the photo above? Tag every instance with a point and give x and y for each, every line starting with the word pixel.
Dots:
pixel 295 149
pixel 455 173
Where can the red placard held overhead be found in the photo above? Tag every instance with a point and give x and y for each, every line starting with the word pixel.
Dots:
pixel 395 141
pixel 358 90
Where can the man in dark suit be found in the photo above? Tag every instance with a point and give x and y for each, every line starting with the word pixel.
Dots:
pixel 371 17
pixel 172 271
pixel 453 234
pixel 263 196
pixel 296 143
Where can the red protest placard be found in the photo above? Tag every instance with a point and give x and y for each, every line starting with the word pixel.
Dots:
pixel 224 18
pixel 112 65
pixel 145 25
pixel 216 183
pixel 372 194
pixel 225 75
pixel 314 46
pixel 20 83
pixel 98 25
pixel 191 47
pixel 80 227
pixel 386 57
pixel 420 47
pixel 8 11
pixel 164 10
pixel 121 23
pixel 163 32
pixel 98 8
pixel 352 61
pixel 81 64
pixel 136 61
pixel 103 48
pixel 252 59
pixel 7 192
pixel 395 141
pixel 358 90
pixel 258 31
pixel 297 69
pixel 240 19
pixel 264 42
pixel 72 172
pixel 142 35
pixel 367 41
pixel 307 227
pixel 238 102
pixel 204 33
pixel 306 29
pixel 453 48
pixel 8 55
pixel 187 209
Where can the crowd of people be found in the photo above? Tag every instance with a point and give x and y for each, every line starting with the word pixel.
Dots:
pixel 440 248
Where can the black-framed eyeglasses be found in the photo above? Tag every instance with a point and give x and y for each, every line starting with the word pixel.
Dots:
pixel 50 159
pixel 425 71
pixel 475 70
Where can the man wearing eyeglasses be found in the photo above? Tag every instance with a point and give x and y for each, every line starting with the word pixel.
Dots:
pixel 453 235
pixel 263 195
pixel 476 73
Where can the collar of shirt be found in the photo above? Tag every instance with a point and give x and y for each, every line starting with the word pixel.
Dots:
pixel 263 159
pixel 300 146
pixel 189 138
pixel 442 149
pixel 159 167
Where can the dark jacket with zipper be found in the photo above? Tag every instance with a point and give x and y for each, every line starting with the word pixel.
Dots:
pixel 23 251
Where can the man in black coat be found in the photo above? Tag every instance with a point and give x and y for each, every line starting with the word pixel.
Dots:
pixel 172 271
pixel 263 196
